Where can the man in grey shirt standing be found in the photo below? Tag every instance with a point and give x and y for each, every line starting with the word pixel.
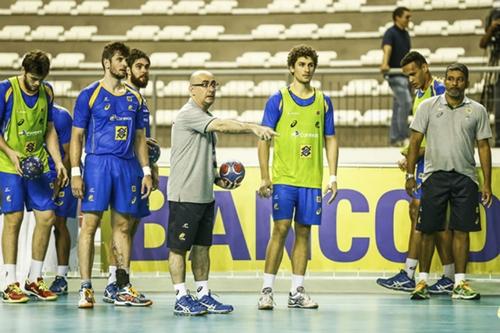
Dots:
pixel 193 172
pixel 451 123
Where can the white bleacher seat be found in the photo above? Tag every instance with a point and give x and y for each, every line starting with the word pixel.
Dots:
pixel 177 88
pixel 84 32
pixel 461 27
pixel 9 60
pixel 59 7
pixel 173 32
pixel 46 32
pixel 425 52
pixel 412 4
pixel 427 27
pixel 316 84
pixel 165 117
pixel 193 59
pixel 384 89
pixel 372 57
pixel 320 6
pixel 347 117
pixel 268 87
pixel 220 6
pixel 325 57
pixel 26 7
pixel 377 117
pixel 188 7
pixel 142 32
pixel 163 59
pixel 478 3
pixel 156 7
pixel 225 114
pixel 441 4
pixel 14 32
pixel 251 116
pixel 446 54
pixel 207 32
pixel 361 87
pixel 61 88
pixel 160 87
pixel 473 60
pixel 330 30
pixel 383 29
pixel 237 88
pixel 91 7
pixel 268 31
pixel 283 6
pixel 253 59
pixel 302 30
pixel 279 59
pixel 348 5
pixel 67 60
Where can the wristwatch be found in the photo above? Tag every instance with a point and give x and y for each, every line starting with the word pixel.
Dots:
pixel 409 176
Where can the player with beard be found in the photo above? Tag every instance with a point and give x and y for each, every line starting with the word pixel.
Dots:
pixel 137 78
pixel 109 114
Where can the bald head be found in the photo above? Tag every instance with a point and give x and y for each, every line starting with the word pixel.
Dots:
pixel 199 76
pixel 202 88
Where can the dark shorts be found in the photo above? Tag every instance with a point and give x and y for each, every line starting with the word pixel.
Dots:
pixel 457 190
pixel 190 224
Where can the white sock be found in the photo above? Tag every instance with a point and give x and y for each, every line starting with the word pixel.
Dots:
pixel 10 274
pixel 180 290
pixel 62 270
pixel 422 276
pixel 202 288
pixel 268 280
pixel 410 267
pixel 35 270
pixel 112 274
pixel 459 277
pixel 297 281
pixel 449 270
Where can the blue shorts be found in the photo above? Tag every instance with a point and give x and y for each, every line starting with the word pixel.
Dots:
pixel 17 192
pixel 420 176
pixel 304 200
pixel 66 203
pixel 110 180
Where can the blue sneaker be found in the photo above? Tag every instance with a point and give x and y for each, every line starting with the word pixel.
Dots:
pixel 187 305
pixel 59 286
pixel 214 306
pixel 110 293
pixel 400 281
pixel 443 286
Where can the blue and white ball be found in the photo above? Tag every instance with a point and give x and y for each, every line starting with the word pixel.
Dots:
pixel 233 172
pixel 32 167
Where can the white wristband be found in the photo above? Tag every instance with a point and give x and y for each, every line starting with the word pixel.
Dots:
pixel 333 179
pixel 146 170
pixel 75 171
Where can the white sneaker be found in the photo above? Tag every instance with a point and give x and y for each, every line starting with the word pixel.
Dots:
pixel 301 300
pixel 86 298
pixel 266 301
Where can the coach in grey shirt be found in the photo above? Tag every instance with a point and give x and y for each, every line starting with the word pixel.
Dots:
pixel 452 124
pixel 193 172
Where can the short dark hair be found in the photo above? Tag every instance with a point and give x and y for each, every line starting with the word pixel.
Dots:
pixel 136 54
pixel 458 67
pixel 413 56
pixel 36 62
pixel 114 47
pixel 302 50
pixel 398 12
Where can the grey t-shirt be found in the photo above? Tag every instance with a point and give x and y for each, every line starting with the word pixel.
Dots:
pixel 451 134
pixel 192 156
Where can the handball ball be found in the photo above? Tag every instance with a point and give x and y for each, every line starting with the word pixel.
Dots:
pixel 32 167
pixel 153 151
pixel 233 172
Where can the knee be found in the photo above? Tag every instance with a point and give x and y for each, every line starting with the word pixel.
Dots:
pixel 122 227
pixel 302 231
pixel 280 230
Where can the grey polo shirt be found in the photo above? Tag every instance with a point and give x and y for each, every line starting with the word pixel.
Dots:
pixel 192 156
pixel 451 134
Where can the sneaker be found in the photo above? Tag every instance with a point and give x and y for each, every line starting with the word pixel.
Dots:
pixel 110 293
pixel 214 306
pixel 187 305
pixel 266 301
pixel 87 299
pixel 129 296
pixel 301 300
pixel 40 290
pixel 14 294
pixel 464 291
pixel 421 291
pixel 443 286
pixel 59 286
pixel 400 281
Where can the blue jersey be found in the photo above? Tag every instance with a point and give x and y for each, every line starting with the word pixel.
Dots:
pixel 145 113
pixel 62 123
pixel 6 101
pixel 110 121
pixel 274 107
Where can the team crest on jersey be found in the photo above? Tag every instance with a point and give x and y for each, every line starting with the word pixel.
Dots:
pixel 107 107
pixel 305 151
pixel 61 194
pixel 129 98
pixel 121 133
pixel 30 146
pixel 20 122
pixel 131 107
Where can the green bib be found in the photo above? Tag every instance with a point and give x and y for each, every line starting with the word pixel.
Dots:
pixel 298 150
pixel 25 131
